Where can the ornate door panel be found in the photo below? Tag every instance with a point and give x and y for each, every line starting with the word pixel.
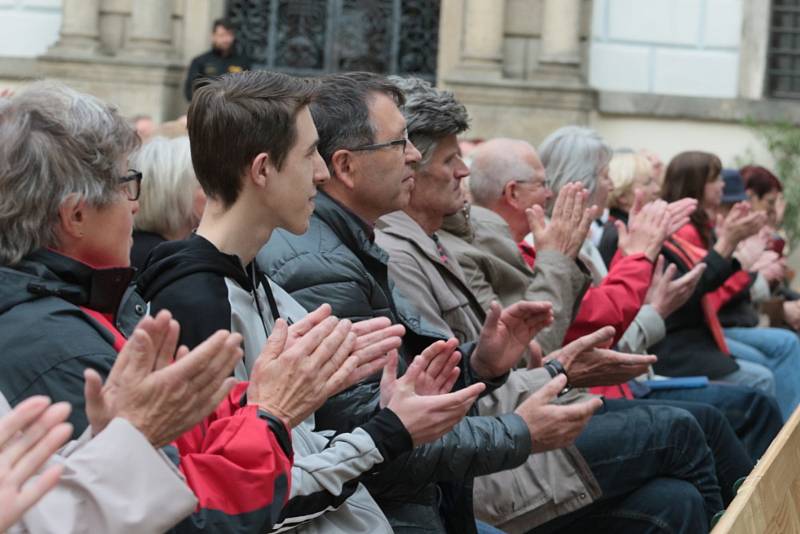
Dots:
pixel 319 36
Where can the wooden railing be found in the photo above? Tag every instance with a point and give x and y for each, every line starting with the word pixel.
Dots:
pixel 768 502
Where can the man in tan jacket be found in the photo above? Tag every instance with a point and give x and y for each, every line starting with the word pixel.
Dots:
pixel 557 486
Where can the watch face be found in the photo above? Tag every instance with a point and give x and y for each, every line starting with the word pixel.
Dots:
pixel 235 68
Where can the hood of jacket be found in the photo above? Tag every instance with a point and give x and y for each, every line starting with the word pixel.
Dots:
pixel 45 273
pixel 173 260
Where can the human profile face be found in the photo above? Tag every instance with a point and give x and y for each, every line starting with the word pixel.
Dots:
pixel 647 182
pixel 766 204
pixel 384 178
pixel 437 189
pixel 604 187
pixel 290 192
pixel 534 190
pixel 108 236
pixel 712 193
pixel 222 39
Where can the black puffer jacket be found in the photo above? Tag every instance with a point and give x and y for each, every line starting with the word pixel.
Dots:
pixel 337 262
pixel 46 340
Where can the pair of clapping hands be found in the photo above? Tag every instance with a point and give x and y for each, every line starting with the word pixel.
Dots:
pixel 164 393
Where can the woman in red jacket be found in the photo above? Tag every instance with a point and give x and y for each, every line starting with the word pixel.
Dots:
pixel 698 175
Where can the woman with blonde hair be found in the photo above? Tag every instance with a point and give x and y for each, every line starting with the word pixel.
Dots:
pixel 629 171
pixel 171 200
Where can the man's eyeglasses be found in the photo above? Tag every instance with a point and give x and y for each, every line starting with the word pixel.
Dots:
pixel 131 184
pixel 377 146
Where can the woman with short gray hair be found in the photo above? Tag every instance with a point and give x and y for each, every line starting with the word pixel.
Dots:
pixel 63 156
pixel 172 200
pixel 67 204
pixel 577 154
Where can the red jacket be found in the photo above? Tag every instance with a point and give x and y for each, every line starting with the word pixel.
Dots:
pixel 616 300
pixel 736 283
pixel 238 463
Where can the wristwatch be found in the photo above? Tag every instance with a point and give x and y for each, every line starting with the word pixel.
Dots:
pixel 554 368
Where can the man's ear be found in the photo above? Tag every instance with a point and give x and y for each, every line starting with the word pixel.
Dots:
pixel 261 170
pixel 510 194
pixel 343 165
pixel 71 214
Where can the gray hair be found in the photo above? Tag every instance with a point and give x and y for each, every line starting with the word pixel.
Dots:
pixel 495 163
pixel 430 113
pixel 55 143
pixel 574 154
pixel 166 204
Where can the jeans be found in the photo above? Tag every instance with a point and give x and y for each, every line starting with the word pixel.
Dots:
pixel 730 458
pixel 753 415
pixel 654 467
pixel 753 375
pixel 777 349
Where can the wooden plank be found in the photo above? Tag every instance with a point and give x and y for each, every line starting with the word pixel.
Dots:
pixel 769 500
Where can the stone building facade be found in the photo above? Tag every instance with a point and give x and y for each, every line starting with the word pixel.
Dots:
pixel 130 52
pixel 667 75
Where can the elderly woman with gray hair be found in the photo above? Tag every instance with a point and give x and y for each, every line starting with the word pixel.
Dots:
pixel 575 154
pixel 171 201
pixel 635 298
pixel 68 313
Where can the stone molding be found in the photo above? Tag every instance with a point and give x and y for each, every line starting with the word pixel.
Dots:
pixel 697 108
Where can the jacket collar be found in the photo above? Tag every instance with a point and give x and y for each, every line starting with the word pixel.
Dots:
pixel 58 275
pixel 400 225
pixel 486 216
pixel 459 224
pixel 356 233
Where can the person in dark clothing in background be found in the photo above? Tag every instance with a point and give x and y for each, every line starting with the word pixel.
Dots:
pixel 223 57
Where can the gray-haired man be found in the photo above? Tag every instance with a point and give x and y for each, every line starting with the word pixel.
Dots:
pixel 548 485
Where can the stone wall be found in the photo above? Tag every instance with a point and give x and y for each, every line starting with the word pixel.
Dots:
pixel 518 65
pixel 28 27
pixel 132 53
pixel 668 47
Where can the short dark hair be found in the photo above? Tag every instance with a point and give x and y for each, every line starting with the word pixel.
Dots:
pixel 686 177
pixel 341 109
pixel 234 117
pixel 760 180
pixel 225 23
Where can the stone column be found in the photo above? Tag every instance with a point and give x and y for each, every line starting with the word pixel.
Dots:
pixel 151 29
pixel 197 19
pixel 561 26
pixel 79 27
pixel 484 22
pixel 754 48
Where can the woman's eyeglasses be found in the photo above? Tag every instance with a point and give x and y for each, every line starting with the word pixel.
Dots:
pixel 131 184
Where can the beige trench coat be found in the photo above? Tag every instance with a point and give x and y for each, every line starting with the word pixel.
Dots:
pixel 549 484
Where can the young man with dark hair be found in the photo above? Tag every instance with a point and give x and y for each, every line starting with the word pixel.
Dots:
pixel 254 149
pixel 364 142
pixel 222 58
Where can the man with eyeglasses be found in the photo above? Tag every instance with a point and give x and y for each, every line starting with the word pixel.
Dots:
pixel 372 164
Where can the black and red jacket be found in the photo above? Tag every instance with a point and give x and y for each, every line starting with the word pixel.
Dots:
pixel 59 316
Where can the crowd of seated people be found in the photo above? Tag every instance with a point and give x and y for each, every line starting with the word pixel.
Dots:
pixel 310 313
